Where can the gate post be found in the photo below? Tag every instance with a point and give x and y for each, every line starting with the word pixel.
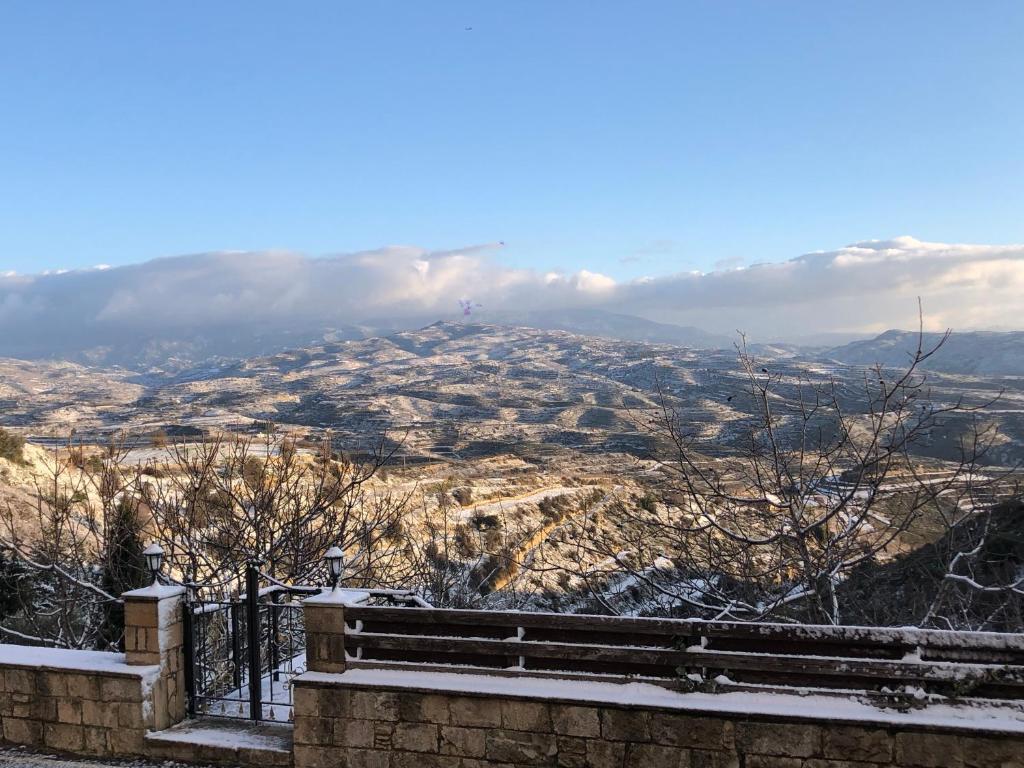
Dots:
pixel 252 603
pixel 324 617
pixel 154 636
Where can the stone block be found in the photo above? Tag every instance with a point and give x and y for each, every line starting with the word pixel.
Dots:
pixel 101 714
pixel 257 757
pixel 605 754
pixel 571 760
pixel 520 747
pixel 576 721
pixel 51 684
pixel 475 713
pixel 778 739
pixel 44 708
pixel 382 735
pixel 120 689
pixel 656 756
pixel 333 702
pixel 21 705
pixel 127 741
pixel 318 731
pixel 20 681
pixel 326 619
pixel 69 711
pixel 993 752
pixel 129 715
pixel 420 760
pixel 928 750
pixel 526 716
pixel 140 613
pixel 18 731
pixel 353 733
pixel 307 756
pixel 700 758
pixel 95 741
pixel 415 737
pixel 64 738
pixel 172 638
pixel 571 745
pixel 873 745
pixel 772 761
pixel 152 637
pixel 371 705
pixel 427 708
pixel 707 733
pixel 625 725
pixel 305 700
pixel 464 742
pixel 83 686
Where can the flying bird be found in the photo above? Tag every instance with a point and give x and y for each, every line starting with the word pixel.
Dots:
pixel 468 306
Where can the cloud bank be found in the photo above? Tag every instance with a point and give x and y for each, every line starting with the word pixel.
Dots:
pixel 864 287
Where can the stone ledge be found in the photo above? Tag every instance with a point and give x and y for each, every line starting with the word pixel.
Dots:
pixel 735 706
pixel 71 661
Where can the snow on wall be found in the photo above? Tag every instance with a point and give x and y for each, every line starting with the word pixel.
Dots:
pixel 67 659
pixel 1005 719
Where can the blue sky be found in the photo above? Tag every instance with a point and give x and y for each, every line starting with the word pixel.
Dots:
pixel 629 139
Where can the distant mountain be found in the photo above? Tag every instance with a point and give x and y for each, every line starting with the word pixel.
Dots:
pixel 464 389
pixel 610 325
pixel 982 353
pixel 175 348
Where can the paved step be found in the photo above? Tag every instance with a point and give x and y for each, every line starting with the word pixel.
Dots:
pixel 224 742
pixel 23 757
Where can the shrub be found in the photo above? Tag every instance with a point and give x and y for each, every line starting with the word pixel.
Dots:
pixel 12 446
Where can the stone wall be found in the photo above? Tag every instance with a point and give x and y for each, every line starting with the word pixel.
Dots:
pixel 80 702
pixel 355 726
pixel 154 636
pixel 96 703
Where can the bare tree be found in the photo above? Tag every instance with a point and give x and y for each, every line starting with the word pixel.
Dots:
pixel 827 481
pixel 75 542
pixel 71 545
pixel 222 502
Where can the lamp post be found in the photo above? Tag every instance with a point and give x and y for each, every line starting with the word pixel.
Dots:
pixel 154 555
pixel 335 559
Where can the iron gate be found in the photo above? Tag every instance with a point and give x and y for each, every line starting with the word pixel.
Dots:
pixel 242 650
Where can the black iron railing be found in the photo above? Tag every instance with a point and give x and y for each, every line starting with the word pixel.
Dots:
pixel 243 649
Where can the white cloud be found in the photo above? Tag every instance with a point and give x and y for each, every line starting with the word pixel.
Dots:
pixel 866 286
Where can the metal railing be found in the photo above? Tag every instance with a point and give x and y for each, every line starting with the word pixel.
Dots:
pixel 243 651
pixel 907 666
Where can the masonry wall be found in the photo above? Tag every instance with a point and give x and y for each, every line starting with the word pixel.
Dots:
pixel 339 726
pixel 154 636
pixel 95 703
pixel 78 711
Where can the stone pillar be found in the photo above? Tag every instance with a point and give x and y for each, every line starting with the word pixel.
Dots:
pixel 325 632
pixel 153 635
